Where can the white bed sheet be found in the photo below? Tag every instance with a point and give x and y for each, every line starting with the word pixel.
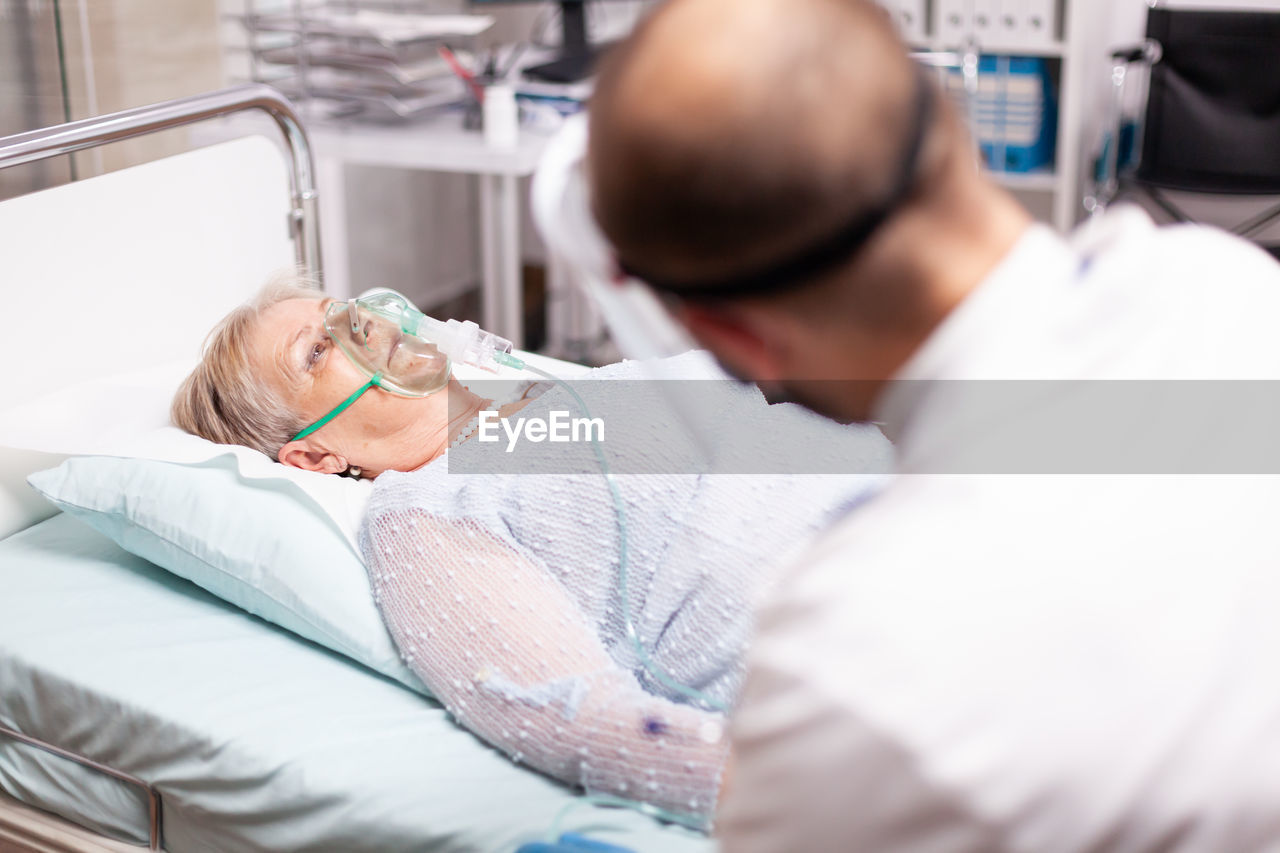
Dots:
pixel 256 740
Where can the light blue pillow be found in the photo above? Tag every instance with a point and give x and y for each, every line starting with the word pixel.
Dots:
pixel 261 544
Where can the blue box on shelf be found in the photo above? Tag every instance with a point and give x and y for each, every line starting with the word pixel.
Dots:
pixel 1015 112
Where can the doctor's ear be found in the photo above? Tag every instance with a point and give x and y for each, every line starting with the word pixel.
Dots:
pixel 304 455
pixel 738 338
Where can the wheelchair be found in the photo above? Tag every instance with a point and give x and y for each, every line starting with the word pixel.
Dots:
pixel 1209 133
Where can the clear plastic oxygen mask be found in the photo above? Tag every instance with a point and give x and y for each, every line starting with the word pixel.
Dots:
pixel 381 333
pixel 401 350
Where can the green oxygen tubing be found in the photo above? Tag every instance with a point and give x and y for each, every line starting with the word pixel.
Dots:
pixel 624 594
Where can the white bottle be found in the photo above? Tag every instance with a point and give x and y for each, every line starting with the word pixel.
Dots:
pixel 501 116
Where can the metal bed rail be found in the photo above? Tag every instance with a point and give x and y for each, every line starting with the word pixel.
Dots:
pixel 87 133
pixel 154 805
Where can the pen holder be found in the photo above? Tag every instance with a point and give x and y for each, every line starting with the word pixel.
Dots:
pixel 501 116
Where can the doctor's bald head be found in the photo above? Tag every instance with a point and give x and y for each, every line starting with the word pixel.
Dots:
pixel 729 134
pixel 791 151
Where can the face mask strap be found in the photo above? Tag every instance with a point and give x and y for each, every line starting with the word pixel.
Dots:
pixel 375 380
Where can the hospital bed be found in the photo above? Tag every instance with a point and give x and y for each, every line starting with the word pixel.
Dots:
pixel 135 707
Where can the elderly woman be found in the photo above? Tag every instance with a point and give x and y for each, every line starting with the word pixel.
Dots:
pixel 502 591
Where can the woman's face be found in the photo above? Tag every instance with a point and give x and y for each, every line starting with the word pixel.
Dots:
pixel 293 353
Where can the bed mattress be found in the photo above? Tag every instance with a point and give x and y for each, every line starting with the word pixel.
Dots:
pixel 256 740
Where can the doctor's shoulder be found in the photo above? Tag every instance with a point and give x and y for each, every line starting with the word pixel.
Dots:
pixel 1202 259
pixel 1223 292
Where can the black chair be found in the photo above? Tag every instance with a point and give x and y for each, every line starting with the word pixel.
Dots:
pixel 1211 123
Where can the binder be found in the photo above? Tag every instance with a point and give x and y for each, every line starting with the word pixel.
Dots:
pixel 1009 25
pixel 953 21
pixel 1013 114
pixel 909 18
pixel 986 21
pixel 1039 22
pixel 912 19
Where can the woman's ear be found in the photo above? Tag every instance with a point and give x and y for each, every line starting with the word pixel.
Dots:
pixel 308 457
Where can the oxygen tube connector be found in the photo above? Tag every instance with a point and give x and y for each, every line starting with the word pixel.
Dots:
pixel 463 341
pixel 506 359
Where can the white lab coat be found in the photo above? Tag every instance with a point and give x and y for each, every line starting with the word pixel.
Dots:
pixel 1079 662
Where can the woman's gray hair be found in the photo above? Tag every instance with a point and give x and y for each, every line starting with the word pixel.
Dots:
pixel 224 400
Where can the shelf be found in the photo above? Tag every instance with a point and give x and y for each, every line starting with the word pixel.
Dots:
pixel 1041 180
pixel 1056 50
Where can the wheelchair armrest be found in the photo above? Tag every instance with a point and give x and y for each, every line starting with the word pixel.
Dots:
pixel 1149 51
pixel 1133 53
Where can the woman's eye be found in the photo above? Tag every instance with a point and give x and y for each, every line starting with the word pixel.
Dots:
pixel 317 351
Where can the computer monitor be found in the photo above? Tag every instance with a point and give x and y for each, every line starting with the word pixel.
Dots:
pixel 577 57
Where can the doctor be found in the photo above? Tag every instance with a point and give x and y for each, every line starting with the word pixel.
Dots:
pixel 1059 630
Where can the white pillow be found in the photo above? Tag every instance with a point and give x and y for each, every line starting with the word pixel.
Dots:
pixel 172 497
pixel 341 499
pixel 86 417
pixel 259 542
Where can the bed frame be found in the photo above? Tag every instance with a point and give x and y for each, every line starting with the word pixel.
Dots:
pixel 21 827
pixel 27 830
pixel 116 127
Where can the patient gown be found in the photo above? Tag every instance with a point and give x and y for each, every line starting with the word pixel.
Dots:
pixel 501 590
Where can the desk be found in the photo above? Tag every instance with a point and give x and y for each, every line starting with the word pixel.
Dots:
pixel 437 144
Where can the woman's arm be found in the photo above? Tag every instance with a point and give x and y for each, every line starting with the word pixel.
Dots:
pixel 498 641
